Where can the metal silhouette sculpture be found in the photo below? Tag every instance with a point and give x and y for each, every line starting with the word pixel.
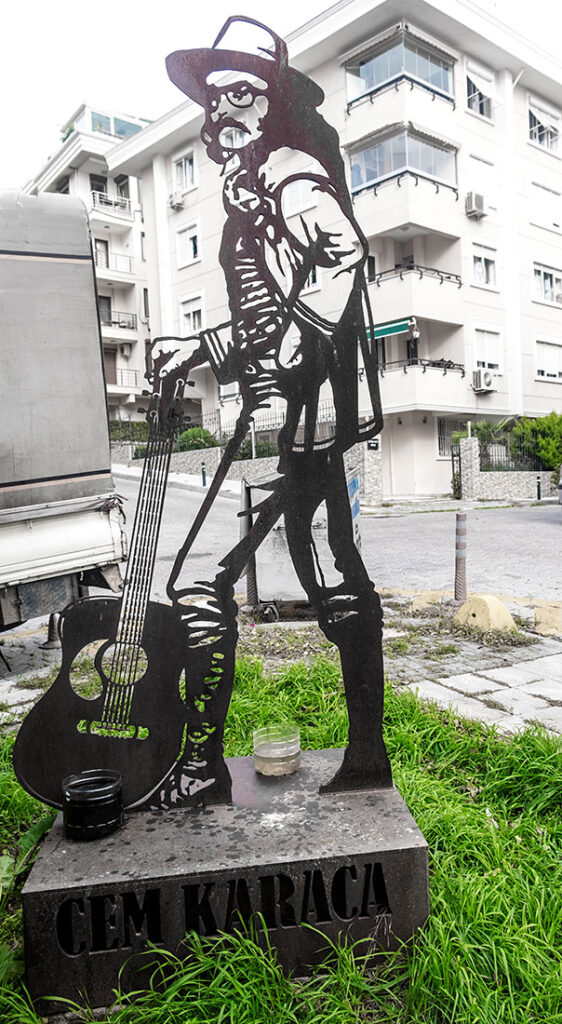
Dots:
pixel 167 682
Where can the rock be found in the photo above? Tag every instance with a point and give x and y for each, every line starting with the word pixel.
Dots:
pixel 548 620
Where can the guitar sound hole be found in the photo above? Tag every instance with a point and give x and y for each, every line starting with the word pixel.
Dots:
pixel 124 664
pixel 83 677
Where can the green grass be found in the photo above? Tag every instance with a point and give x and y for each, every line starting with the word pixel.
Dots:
pixel 489 808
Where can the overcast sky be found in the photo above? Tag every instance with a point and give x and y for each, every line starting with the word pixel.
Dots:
pixel 55 56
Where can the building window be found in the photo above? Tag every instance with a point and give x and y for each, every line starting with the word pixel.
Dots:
pixel 101 123
pixel 98 183
pixel 312 282
pixel 104 306
pixel 484 266
pixel 191 315
pixel 233 138
pixel 548 284
pixel 124 129
pixel 184 173
pixel 404 151
pixel 145 303
pixel 371 267
pixel 549 360
pixel 298 195
pixel 487 349
pixel 122 183
pixel 101 253
pixel 544 126
pixel 143 246
pixel 63 186
pixel 479 90
pixel 445 430
pixel 187 245
pixel 405 58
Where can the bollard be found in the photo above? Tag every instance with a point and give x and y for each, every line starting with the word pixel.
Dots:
pixel 203 475
pixel 538 487
pixel 460 558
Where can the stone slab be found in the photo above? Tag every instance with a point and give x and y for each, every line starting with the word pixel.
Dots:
pixel 549 689
pixel 469 683
pixel 468 707
pixel 347 863
pixel 519 701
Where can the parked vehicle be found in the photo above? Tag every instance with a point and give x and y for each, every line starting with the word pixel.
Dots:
pixel 61 524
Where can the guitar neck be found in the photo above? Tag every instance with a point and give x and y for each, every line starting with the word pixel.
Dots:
pixel 144 539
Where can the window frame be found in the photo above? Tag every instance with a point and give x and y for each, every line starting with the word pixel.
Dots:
pixel 555 343
pixel 406 167
pixel 386 43
pixel 479 75
pixel 536 106
pixel 314 286
pixel 178 159
pixel 488 328
pixel 556 274
pixel 194 227
pixel 492 260
pixel 193 297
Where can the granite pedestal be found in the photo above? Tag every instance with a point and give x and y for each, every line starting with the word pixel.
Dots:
pixel 352 863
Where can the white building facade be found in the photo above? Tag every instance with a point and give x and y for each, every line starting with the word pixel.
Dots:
pixel 113 202
pixel 450 131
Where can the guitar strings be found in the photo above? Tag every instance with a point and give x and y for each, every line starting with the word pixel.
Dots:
pixel 146 566
pixel 128 649
pixel 123 628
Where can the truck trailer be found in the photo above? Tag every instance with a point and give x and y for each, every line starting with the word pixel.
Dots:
pixel 61 522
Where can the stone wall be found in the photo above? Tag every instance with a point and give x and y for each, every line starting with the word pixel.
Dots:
pixel 366 463
pixel 496 485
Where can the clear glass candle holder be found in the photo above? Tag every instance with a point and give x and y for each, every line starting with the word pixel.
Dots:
pixel 277 749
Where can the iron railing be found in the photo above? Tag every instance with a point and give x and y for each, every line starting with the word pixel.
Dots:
pixel 114 261
pixel 416 268
pixel 445 365
pixel 511 458
pixel 127 378
pixel 126 321
pixel 118 205
pixel 397 176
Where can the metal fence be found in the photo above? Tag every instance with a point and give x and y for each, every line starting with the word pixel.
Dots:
pixel 509 457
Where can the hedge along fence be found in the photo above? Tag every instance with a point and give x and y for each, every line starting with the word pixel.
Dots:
pixel 500 484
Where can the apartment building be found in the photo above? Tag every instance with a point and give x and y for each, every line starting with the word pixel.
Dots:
pixel 450 130
pixel 113 202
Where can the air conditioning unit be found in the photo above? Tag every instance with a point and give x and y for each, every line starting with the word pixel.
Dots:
pixel 476 205
pixel 126 349
pixel 176 200
pixel 483 381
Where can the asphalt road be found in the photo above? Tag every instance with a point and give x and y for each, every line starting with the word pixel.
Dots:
pixel 510 551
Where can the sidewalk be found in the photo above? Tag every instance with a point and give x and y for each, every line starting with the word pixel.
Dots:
pixel 401 507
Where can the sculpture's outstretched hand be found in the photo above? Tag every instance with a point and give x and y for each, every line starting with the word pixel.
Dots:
pixel 169 377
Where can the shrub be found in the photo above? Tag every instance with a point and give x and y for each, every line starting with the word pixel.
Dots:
pixel 196 437
pixel 543 434
pixel 264 449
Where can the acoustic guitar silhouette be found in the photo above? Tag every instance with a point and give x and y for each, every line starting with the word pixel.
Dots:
pixel 136 722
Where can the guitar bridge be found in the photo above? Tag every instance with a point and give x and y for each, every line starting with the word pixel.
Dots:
pixel 113 730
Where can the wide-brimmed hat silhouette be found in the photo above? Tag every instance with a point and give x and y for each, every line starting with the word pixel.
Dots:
pixel 189 69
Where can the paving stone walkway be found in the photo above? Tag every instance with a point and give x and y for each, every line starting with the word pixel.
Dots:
pixel 509 687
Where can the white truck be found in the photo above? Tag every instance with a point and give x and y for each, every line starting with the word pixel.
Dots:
pixel 61 524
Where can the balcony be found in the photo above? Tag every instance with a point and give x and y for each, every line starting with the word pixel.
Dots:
pixel 111 211
pixel 436 384
pixel 414 290
pixel 118 327
pixel 113 266
pixel 407 204
pixel 121 382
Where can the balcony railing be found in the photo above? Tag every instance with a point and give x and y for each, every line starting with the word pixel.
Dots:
pixel 128 378
pixel 114 261
pixel 445 365
pixel 416 268
pixel 126 321
pixel 118 205
pixel 398 177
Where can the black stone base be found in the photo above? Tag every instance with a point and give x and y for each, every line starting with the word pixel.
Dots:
pixel 353 863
